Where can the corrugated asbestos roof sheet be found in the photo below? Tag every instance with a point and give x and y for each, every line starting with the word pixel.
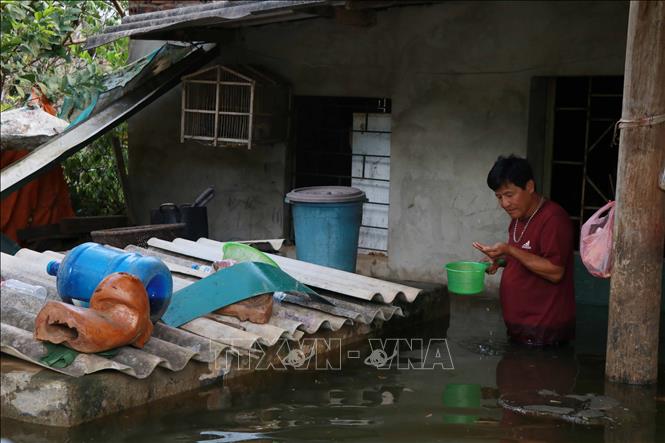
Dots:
pixel 243 13
pixel 347 283
pixel 210 339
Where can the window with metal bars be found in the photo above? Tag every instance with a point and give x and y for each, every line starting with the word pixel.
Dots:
pixel 580 143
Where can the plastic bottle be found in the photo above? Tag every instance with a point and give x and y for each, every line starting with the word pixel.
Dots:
pixel 204 268
pixel 85 266
pixel 25 288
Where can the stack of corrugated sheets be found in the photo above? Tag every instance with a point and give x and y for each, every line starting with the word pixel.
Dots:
pixel 210 339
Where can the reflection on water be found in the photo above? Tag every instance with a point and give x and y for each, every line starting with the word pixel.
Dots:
pixel 462 396
pixel 364 403
pixel 490 347
pixel 542 383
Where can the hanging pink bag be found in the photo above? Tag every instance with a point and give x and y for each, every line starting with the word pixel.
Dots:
pixel 596 242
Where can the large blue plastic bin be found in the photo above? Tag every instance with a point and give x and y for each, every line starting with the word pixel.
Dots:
pixel 327 224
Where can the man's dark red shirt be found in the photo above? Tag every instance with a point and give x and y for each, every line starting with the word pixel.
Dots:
pixel 537 311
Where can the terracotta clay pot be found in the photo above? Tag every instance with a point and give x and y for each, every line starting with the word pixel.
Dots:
pixel 119 314
pixel 255 309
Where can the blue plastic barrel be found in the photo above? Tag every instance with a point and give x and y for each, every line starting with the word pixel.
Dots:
pixel 85 266
pixel 327 224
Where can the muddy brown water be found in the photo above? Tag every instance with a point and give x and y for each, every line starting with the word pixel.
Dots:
pixel 426 391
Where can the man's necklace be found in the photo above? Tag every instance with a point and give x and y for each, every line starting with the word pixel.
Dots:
pixel 517 240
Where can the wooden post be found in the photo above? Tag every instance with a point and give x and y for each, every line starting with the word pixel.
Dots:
pixel 122 174
pixel 639 230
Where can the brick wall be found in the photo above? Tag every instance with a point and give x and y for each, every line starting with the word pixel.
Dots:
pixel 143 6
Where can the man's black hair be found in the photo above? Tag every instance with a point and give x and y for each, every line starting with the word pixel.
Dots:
pixel 510 169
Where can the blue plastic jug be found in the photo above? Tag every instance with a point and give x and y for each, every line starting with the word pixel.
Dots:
pixel 85 266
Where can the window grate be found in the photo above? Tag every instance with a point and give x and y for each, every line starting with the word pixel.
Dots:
pixel 584 157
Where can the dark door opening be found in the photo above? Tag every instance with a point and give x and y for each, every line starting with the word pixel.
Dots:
pixel 580 155
pixel 323 125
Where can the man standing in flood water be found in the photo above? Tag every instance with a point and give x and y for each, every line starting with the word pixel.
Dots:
pixel 537 290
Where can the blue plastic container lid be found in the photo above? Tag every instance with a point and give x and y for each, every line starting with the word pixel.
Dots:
pixel 326 194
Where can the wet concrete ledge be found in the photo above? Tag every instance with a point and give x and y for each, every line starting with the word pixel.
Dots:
pixel 39 396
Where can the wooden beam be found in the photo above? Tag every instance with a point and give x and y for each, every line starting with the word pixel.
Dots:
pixel 354 17
pixel 198 34
pixel 327 11
pixel 639 230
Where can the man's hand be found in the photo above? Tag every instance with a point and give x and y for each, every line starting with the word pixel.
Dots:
pixel 491 269
pixel 494 255
pixel 493 252
pixel 538 265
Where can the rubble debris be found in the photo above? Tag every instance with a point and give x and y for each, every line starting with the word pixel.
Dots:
pixel 28 128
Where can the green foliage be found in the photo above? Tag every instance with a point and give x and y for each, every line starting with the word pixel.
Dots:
pixel 40 45
pixel 92 176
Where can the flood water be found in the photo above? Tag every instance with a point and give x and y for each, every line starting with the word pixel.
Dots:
pixel 361 402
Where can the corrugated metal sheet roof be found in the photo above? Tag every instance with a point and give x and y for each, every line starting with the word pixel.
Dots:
pixel 215 14
pixel 191 20
pixel 213 339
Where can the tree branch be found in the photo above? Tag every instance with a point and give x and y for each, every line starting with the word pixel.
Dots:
pixel 118 8
pixel 75 42
pixel 75 23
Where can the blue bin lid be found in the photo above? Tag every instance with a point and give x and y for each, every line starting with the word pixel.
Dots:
pixel 325 194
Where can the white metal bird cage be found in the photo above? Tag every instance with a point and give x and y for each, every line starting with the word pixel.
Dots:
pixel 233 106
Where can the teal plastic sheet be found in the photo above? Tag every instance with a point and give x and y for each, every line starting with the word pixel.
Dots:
pixel 123 80
pixel 228 286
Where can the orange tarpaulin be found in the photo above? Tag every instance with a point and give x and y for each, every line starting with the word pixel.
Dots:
pixel 37 97
pixel 43 201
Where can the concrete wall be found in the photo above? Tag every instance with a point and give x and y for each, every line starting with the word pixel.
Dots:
pixel 458 74
pixel 250 184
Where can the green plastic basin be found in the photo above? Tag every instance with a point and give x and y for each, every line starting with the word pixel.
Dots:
pixel 466 277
